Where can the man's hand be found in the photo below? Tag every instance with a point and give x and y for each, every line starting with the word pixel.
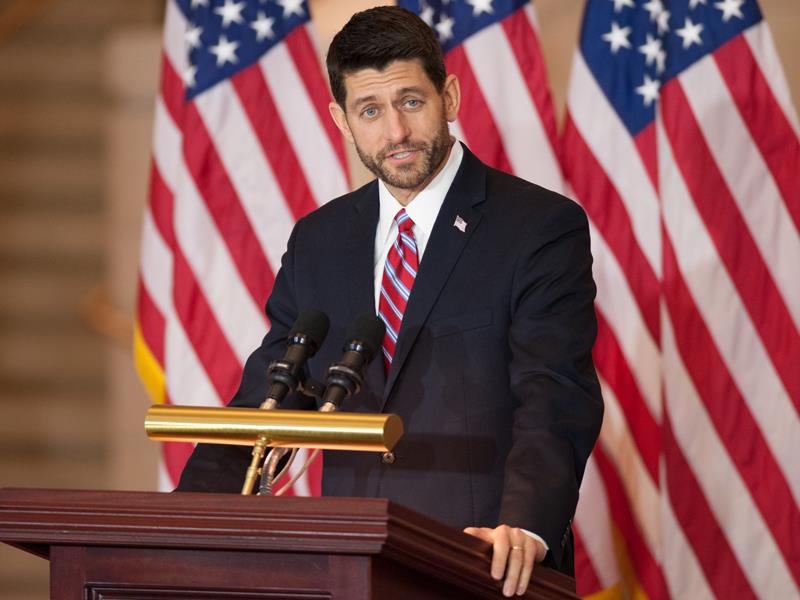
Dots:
pixel 514 553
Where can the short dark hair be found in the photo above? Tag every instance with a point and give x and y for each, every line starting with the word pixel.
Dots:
pixel 373 38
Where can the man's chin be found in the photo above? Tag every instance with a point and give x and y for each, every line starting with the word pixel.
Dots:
pixel 404 183
pixel 404 177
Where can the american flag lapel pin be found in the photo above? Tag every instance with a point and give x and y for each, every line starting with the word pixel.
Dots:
pixel 460 224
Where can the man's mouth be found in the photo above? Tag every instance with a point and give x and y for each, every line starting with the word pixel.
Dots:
pixel 401 153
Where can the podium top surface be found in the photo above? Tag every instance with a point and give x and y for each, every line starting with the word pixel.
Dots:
pixel 35 519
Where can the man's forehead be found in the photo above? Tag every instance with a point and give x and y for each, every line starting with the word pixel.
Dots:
pixel 395 76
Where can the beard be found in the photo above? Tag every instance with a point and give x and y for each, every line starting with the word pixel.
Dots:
pixel 410 176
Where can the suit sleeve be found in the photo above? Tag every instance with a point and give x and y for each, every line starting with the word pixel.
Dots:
pixel 558 406
pixel 221 468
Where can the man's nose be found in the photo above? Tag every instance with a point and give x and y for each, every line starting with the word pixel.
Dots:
pixel 396 126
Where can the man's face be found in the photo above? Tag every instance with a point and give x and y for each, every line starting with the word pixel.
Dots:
pixel 398 123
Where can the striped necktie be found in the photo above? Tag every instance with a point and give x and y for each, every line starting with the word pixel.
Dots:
pixel 398 278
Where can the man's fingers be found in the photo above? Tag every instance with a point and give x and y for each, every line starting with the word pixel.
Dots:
pixel 513 556
pixel 484 533
pixel 513 570
pixel 500 548
pixel 501 545
pixel 527 566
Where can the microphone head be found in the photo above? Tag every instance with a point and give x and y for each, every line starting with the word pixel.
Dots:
pixel 312 323
pixel 368 330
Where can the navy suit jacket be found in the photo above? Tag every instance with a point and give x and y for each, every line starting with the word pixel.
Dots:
pixel 492 373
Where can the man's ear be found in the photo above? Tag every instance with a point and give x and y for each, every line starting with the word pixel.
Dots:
pixel 340 118
pixel 452 97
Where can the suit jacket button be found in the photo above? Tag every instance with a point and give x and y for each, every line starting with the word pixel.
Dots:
pixel 388 458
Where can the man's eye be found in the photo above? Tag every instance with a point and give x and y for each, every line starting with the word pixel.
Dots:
pixel 413 103
pixel 370 112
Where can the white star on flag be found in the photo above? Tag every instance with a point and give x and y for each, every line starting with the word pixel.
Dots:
pixel 655 8
pixel 231 12
pixel 263 26
pixel 192 36
pixel 292 7
pixel 690 33
pixel 694 3
pixel 225 51
pixel 196 3
pixel 480 6
pixel 426 14
pixel 617 37
pixel 620 4
pixel 189 76
pixel 663 21
pixel 445 28
pixel 661 61
pixel 730 8
pixel 651 49
pixel 649 90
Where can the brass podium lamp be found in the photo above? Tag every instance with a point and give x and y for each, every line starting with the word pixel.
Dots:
pixel 273 428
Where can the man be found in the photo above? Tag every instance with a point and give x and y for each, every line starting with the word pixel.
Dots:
pixel 484 281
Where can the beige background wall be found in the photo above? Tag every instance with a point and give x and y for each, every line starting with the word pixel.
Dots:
pixel 77 81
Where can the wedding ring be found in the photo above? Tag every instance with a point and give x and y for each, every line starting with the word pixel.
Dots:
pixel 516 547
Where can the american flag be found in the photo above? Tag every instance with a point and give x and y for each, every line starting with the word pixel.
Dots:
pixel 507 116
pixel 681 143
pixel 243 147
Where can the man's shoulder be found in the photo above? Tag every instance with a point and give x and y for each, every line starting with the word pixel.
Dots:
pixel 527 202
pixel 514 196
pixel 337 211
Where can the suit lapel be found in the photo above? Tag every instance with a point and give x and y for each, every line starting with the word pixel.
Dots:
pixel 444 248
pixel 360 268
pixel 360 251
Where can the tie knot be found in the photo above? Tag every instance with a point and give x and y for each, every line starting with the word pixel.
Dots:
pixel 404 222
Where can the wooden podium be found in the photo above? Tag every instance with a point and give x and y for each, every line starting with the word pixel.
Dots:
pixel 151 546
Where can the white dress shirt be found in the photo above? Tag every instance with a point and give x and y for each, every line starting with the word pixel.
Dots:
pixel 423 210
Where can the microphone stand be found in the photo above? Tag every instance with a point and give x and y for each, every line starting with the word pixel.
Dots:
pixel 326 407
pixel 253 470
pixel 344 379
pixel 267 469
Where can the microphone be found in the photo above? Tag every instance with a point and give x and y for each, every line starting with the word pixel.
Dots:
pixel 305 338
pixel 346 377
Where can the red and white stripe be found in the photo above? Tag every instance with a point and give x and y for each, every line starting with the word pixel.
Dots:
pixel 696 241
pixel 233 170
pixel 507 112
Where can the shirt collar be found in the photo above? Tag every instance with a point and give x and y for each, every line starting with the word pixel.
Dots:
pixel 424 208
